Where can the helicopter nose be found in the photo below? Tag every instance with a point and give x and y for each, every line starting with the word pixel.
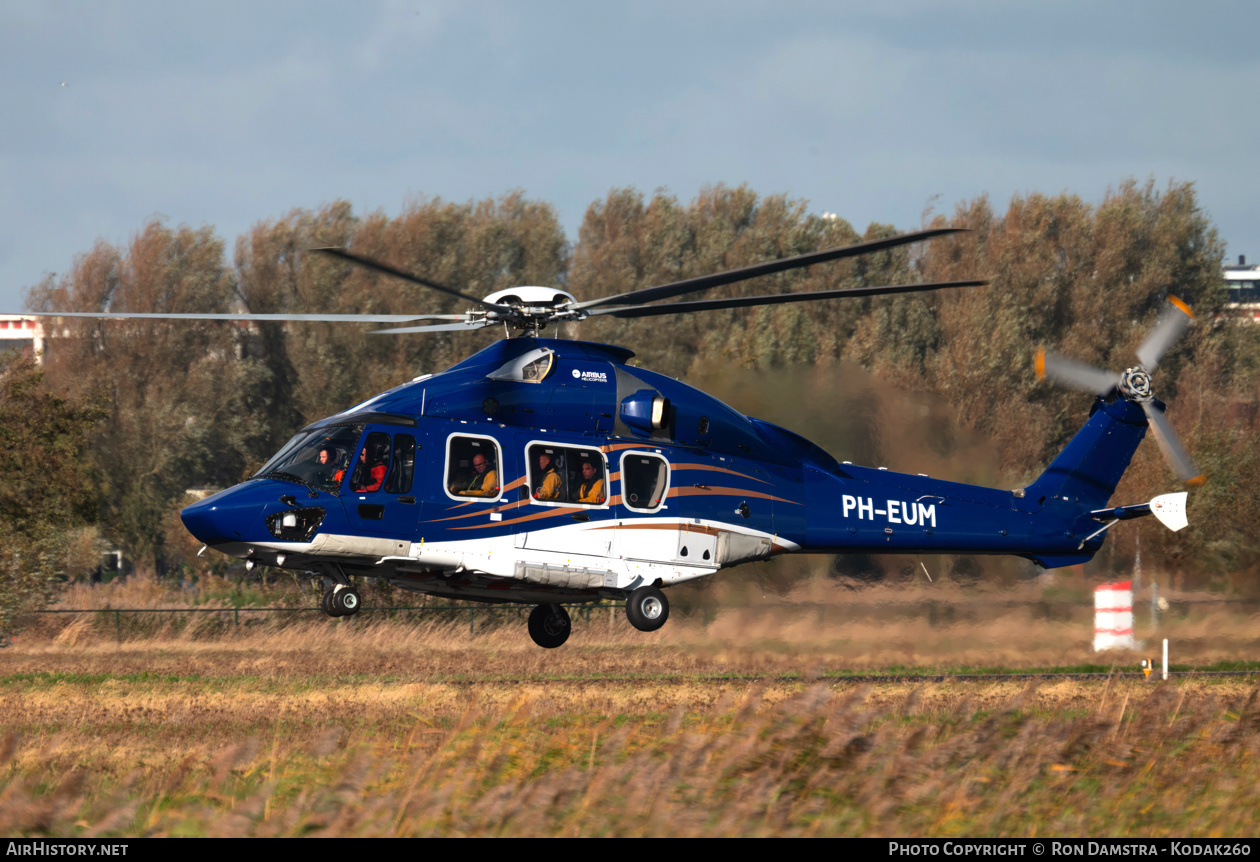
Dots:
pixel 219 518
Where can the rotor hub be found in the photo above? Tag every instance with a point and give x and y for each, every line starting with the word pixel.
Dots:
pixel 1135 384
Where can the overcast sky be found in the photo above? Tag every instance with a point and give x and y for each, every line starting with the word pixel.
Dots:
pixel 231 113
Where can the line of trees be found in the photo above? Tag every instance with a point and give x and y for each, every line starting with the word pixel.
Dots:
pixel 48 488
pixel 203 404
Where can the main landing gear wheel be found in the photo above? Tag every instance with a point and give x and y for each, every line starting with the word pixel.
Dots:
pixel 647 609
pixel 549 626
pixel 346 601
pixel 341 602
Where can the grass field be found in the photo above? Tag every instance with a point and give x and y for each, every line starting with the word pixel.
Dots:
pixel 357 727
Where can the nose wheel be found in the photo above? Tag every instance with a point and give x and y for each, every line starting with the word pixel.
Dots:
pixel 647 609
pixel 549 626
pixel 340 601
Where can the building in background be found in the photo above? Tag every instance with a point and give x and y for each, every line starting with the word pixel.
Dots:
pixel 1243 284
pixel 22 333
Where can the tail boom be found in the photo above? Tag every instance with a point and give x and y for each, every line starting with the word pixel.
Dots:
pixel 860 510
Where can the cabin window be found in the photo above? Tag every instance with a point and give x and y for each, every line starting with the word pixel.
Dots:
pixel 316 457
pixel 472 467
pixel 567 474
pixel 404 467
pixel 644 481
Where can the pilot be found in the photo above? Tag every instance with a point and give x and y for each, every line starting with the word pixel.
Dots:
pixel 549 487
pixel 591 489
pixel 325 464
pixel 368 473
pixel 484 483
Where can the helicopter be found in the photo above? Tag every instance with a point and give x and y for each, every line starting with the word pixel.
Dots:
pixel 547 471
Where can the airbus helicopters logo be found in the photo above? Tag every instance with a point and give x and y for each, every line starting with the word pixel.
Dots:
pixel 590 376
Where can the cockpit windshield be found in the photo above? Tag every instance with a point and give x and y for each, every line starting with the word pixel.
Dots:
pixel 317 458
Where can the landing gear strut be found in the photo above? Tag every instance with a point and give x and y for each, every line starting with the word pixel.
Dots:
pixel 549 626
pixel 340 601
pixel 647 609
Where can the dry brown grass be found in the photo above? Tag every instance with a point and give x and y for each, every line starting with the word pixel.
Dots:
pixel 366 726
pixel 271 755
pixel 360 728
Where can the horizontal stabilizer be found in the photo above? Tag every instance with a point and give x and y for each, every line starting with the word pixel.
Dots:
pixel 1170 509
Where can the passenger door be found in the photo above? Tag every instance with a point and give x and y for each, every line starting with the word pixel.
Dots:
pixel 557 518
pixel 647 533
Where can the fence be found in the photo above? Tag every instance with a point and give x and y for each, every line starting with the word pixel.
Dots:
pixel 931 613
pixel 518 610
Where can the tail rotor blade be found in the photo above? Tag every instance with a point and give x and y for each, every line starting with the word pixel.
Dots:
pixel 1174 452
pixel 1172 324
pixel 1074 374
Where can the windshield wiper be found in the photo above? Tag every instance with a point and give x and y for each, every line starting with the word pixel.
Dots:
pixel 289 477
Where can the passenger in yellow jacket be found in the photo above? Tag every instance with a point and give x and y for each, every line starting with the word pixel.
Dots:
pixel 549 488
pixel 484 483
pixel 592 488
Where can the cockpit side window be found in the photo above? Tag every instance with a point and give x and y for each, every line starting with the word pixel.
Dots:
pixel 472 467
pixel 401 471
pixel 373 464
pixel 644 481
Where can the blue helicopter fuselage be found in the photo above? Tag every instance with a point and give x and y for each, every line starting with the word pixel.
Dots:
pixel 596 477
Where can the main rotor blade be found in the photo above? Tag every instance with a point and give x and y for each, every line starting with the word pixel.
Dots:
pixel 1074 374
pixel 440 327
pixel 779 298
pixel 1174 321
pixel 328 318
pixel 368 263
pixel 704 282
pixel 1174 452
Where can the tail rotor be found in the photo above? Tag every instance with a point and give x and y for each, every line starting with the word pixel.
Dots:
pixel 1134 384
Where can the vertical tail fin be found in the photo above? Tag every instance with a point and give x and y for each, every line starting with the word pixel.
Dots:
pixel 1090 466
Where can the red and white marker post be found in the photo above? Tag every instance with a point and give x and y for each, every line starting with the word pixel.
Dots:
pixel 1113 616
